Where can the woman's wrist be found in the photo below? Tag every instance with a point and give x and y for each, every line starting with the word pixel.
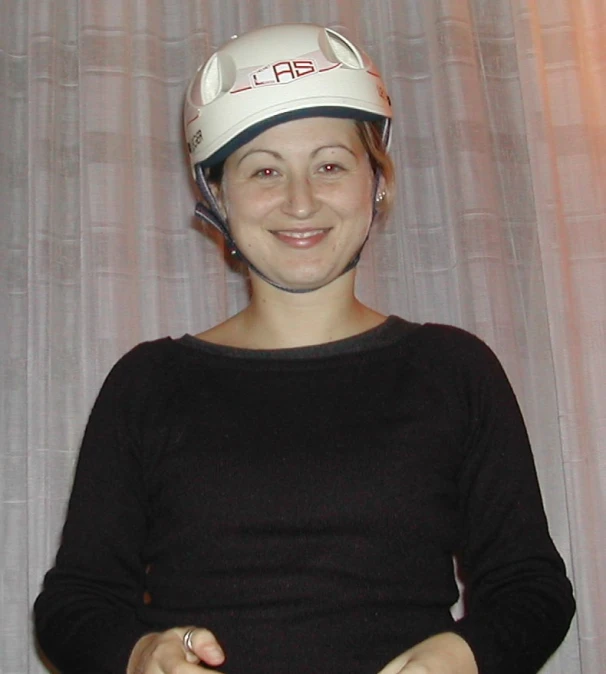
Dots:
pixel 444 653
pixel 451 647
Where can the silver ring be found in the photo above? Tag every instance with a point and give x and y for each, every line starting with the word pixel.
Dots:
pixel 187 644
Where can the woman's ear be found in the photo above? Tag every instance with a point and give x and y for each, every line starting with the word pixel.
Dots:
pixel 381 185
pixel 383 199
pixel 380 190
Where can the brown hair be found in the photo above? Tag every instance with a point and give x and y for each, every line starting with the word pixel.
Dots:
pixel 371 135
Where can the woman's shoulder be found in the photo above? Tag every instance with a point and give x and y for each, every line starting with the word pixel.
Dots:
pixel 147 365
pixel 450 335
pixel 151 352
pixel 453 350
pixel 451 338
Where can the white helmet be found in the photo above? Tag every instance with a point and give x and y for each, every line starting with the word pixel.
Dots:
pixel 276 74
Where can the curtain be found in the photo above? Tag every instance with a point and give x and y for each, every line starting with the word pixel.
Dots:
pixel 499 227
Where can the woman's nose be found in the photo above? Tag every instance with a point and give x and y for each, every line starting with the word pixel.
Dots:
pixel 300 200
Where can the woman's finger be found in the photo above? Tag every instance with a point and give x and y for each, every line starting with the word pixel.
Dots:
pixel 201 644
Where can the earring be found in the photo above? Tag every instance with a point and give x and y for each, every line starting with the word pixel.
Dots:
pixel 380 196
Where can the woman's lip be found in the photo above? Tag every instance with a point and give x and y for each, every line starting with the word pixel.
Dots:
pixel 301 238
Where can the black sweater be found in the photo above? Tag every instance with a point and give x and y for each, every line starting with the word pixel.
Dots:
pixel 305 505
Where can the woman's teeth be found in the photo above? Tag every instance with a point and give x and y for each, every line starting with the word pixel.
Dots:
pixel 307 234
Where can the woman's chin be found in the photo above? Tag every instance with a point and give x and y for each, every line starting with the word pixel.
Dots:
pixel 301 280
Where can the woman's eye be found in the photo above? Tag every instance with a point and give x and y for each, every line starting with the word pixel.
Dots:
pixel 266 173
pixel 331 168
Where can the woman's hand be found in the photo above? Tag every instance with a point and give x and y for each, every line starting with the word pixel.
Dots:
pixel 446 653
pixel 165 653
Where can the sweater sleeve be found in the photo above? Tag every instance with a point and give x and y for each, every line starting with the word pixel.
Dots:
pixel 519 602
pixel 86 615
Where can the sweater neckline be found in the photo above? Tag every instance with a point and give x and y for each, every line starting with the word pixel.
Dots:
pixel 390 331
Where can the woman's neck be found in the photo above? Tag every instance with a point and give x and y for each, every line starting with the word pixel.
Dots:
pixel 276 319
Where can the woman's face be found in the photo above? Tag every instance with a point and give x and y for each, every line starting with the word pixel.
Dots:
pixel 298 199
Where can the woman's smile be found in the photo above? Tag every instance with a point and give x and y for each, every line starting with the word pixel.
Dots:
pixel 302 238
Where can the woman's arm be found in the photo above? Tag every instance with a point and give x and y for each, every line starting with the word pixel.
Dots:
pixel 86 615
pixel 519 601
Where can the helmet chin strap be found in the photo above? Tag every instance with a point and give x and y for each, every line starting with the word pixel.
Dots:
pixel 211 214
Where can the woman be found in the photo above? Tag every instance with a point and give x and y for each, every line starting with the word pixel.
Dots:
pixel 286 491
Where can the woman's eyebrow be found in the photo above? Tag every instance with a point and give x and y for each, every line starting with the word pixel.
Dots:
pixel 333 146
pixel 277 155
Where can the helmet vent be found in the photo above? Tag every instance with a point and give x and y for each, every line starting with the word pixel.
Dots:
pixel 211 80
pixel 343 51
pixel 218 77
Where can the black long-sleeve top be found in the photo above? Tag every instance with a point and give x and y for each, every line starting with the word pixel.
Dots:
pixel 305 505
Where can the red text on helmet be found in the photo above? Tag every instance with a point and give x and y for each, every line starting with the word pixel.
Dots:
pixel 283 72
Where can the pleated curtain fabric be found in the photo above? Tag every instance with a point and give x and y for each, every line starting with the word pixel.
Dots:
pixel 499 227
